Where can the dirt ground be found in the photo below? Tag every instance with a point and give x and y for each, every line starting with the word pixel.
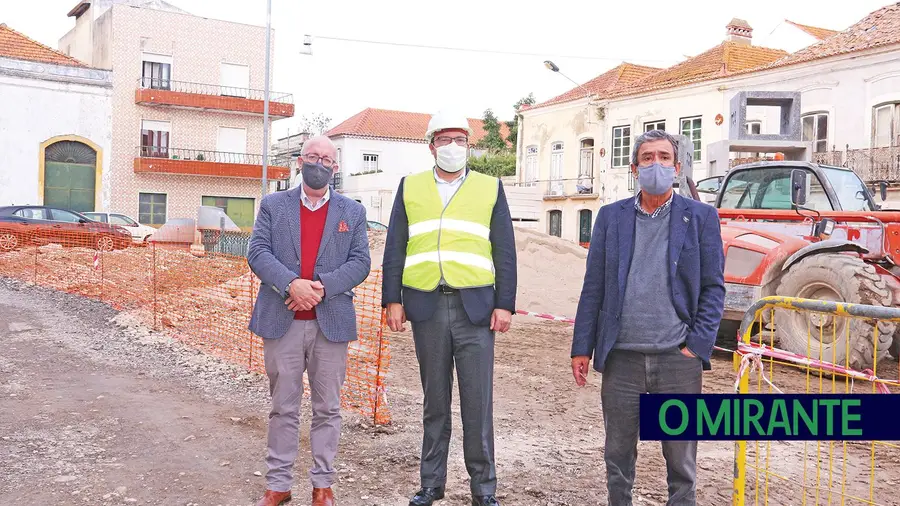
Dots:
pixel 93 411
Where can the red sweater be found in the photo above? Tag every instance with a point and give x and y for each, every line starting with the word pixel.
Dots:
pixel 312 224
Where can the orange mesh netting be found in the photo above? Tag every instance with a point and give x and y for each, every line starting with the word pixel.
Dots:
pixel 201 295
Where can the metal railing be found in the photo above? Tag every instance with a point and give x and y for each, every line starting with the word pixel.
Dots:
pixel 201 155
pixel 213 89
pixel 572 187
pixel 870 164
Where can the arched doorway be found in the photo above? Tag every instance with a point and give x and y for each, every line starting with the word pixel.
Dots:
pixel 70 172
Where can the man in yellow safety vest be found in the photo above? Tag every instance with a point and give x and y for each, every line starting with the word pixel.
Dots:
pixel 450 268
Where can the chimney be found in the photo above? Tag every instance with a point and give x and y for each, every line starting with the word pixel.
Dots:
pixel 739 31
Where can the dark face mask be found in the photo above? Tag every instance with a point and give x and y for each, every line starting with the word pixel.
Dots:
pixel 315 175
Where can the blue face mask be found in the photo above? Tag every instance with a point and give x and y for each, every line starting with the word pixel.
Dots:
pixel 656 179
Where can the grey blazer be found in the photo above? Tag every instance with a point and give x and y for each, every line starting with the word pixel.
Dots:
pixel 342 263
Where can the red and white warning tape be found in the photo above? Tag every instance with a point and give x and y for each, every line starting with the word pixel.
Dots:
pixel 546 316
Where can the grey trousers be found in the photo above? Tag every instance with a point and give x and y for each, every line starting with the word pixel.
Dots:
pixel 446 339
pixel 626 375
pixel 303 348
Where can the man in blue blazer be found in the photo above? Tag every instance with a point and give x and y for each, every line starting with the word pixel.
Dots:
pixel 650 307
pixel 309 249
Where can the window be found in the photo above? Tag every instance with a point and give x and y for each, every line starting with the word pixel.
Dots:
pixel 32 213
pixel 621 152
pixel 64 216
pixel 155 139
pixel 370 163
pixel 815 129
pixel 691 127
pixel 886 132
pixel 848 189
pixel 587 159
pixel 234 80
pixel 239 209
pixel 754 127
pixel 156 72
pixel 121 219
pixel 584 226
pixel 655 125
pixel 96 217
pixel 556 168
pixel 531 165
pixel 231 145
pixel 556 223
pixel 770 188
pixel 152 208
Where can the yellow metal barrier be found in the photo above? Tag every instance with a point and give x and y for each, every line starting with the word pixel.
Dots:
pixel 821 472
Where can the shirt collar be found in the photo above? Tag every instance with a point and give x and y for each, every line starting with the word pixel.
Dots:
pixel 458 180
pixel 308 202
pixel 660 209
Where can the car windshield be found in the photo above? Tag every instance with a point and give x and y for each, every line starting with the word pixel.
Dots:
pixel 850 191
pixel 769 188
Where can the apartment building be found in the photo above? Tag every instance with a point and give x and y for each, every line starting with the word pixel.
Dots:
pixel 187 108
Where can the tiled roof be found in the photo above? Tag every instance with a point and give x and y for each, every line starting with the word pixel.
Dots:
pixel 723 60
pixel 740 23
pixel 878 29
pixel 606 82
pixel 16 45
pixel 819 33
pixel 399 125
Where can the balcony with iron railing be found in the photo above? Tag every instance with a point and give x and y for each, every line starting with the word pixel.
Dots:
pixel 201 162
pixel 165 92
pixel 870 164
pixel 584 188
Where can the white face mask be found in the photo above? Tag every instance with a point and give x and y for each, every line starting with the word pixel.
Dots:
pixel 452 157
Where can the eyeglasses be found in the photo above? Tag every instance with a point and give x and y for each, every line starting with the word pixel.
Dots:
pixel 311 158
pixel 443 140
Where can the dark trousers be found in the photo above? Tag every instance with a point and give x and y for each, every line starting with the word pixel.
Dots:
pixel 626 375
pixel 446 339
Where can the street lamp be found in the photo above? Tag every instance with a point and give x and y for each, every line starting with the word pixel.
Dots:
pixel 552 66
pixel 265 157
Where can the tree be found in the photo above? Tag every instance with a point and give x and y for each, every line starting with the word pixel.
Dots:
pixel 493 142
pixel 317 124
pixel 497 164
pixel 513 125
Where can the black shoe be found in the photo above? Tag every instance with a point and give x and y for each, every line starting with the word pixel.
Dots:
pixel 484 500
pixel 427 496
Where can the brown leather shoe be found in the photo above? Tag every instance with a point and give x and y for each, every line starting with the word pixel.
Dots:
pixel 323 497
pixel 272 498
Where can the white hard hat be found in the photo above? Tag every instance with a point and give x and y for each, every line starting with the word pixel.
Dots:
pixel 445 119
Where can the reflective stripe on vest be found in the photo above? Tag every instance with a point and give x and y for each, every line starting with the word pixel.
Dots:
pixel 452 241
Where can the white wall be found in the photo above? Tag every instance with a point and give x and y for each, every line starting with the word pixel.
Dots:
pixel 36 109
pixel 396 159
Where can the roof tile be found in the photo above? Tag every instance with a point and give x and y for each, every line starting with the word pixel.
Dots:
pixel 819 33
pixel 16 45
pixel 399 125
pixel 620 76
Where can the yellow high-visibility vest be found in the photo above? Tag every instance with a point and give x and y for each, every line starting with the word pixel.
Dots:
pixel 453 242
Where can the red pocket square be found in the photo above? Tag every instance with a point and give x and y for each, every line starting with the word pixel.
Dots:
pixel 342 227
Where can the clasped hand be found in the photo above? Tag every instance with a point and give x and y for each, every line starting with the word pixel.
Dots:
pixel 304 294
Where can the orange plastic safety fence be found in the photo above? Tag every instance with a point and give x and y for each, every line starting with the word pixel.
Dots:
pixel 196 295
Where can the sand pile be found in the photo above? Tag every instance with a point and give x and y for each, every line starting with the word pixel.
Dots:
pixel 551 270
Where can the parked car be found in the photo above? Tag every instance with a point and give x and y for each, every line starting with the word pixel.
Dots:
pixel 140 234
pixel 374 225
pixel 23 225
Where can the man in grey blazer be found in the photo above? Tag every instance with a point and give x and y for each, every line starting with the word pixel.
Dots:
pixel 310 250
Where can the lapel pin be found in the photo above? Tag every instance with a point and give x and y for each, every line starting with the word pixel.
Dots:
pixel 686 219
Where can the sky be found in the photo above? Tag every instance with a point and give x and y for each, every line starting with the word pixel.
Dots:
pixel 584 38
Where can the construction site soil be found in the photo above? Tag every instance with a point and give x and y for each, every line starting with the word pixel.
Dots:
pixel 96 408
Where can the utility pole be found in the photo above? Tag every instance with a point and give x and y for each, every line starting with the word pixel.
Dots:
pixel 265 156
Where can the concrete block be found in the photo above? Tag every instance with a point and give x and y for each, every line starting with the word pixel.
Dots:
pixel 787 101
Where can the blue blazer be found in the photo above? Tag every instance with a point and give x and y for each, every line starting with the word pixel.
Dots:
pixel 342 263
pixel 479 303
pixel 696 267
